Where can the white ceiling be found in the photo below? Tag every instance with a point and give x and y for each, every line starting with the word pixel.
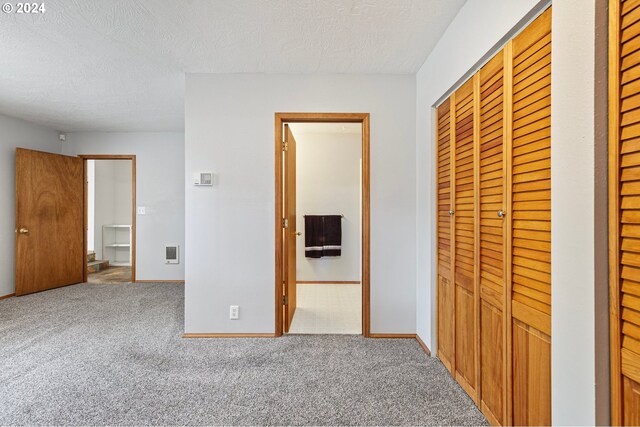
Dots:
pixel 119 64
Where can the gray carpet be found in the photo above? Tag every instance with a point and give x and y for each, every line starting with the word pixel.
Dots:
pixel 113 354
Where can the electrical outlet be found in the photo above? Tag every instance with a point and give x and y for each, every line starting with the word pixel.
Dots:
pixel 234 312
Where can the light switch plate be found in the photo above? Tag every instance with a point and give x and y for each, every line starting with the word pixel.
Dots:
pixel 142 210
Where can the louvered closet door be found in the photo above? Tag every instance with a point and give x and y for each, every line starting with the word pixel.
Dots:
pixel 464 277
pixel 492 241
pixel 446 312
pixel 625 211
pixel 531 223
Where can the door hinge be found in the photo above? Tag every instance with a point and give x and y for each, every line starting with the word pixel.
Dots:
pixel 285 223
pixel 285 300
pixel 285 146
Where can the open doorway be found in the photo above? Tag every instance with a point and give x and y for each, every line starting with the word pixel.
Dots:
pixel 322 239
pixel 110 219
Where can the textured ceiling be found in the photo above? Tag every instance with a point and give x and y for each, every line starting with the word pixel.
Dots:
pixel 119 64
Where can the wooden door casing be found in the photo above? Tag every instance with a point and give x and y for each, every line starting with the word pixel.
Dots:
pixel 364 120
pixel 624 210
pixel 50 205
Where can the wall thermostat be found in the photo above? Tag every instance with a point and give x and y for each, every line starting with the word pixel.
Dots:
pixel 203 178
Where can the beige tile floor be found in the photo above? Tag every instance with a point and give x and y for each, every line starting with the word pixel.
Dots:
pixel 328 309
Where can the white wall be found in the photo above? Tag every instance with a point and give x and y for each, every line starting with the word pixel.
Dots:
pixel 91 204
pixel 573 361
pixel 478 27
pixel 15 133
pixel 159 187
pixel 328 183
pixel 230 227
pixel 112 204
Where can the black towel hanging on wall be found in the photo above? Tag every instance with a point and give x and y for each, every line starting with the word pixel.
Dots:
pixel 332 230
pixel 313 236
pixel 323 235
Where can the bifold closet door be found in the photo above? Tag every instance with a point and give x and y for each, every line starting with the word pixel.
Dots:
pixel 624 194
pixel 446 300
pixel 494 231
pixel 492 239
pixel 531 223
pixel 464 240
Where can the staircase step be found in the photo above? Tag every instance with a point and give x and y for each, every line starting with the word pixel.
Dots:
pixel 97 265
pixel 91 256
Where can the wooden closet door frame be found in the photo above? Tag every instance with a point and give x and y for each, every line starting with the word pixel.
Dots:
pixel 131 157
pixel 476 234
pixel 363 118
pixel 452 224
pixel 508 200
pixel 614 213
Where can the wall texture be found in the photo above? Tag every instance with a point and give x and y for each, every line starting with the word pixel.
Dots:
pixel 112 203
pixel 573 225
pixel 159 188
pixel 91 204
pixel 230 226
pixel 15 133
pixel 328 183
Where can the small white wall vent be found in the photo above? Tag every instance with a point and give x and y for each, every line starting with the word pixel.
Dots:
pixel 203 178
pixel 172 254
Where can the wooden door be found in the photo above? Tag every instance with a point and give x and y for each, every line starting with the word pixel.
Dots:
pixel 492 241
pixel 624 205
pixel 531 222
pixel 49 221
pixel 446 301
pixel 289 229
pixel 464 240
